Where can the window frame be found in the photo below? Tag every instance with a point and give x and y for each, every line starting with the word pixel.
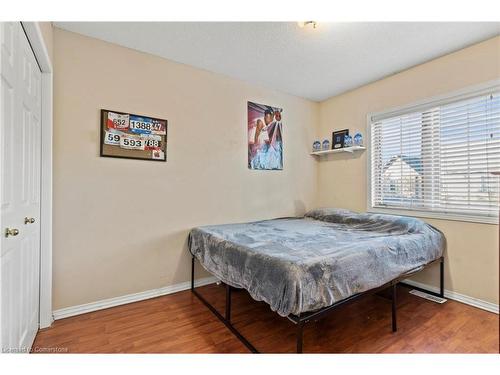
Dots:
pixel 462 94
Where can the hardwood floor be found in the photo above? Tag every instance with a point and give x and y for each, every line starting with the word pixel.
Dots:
pixel 180 323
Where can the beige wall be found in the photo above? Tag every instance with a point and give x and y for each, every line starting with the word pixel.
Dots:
pixel 108 242
pixel 48 37
pixel 120 226
pixel 472 255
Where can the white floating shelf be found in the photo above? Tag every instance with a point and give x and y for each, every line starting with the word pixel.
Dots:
pixel 345 149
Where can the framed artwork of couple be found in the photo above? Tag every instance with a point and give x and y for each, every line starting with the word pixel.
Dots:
pixel 265 141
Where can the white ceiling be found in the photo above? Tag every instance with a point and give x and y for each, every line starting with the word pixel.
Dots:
pixel 314 64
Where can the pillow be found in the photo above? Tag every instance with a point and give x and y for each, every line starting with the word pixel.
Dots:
pixel 369 221
pixel 333 215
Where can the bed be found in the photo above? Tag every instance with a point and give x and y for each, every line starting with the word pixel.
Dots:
pixel 302 266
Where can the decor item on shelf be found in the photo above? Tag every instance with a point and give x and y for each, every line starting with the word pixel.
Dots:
pixel 347 141
pixel 358 139
pixel 316 146
pixel 265 142
pixel 325 145
pixel 338 138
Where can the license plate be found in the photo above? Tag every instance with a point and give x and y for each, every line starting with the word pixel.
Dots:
pixel 152 142
pixel 158 154
pixel 112 138
pixel 131 143
pixel 118 121
pixel 144 125
pixel 159 127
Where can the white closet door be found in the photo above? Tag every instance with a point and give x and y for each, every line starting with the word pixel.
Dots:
pixel 20 152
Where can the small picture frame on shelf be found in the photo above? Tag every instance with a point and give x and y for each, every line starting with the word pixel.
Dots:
pixel 338 138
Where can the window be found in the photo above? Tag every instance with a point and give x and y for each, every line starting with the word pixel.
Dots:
pixel 438 157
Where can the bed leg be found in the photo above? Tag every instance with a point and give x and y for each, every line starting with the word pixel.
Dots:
pixel 300 335
pixel 394 303
pixel 441 278
pixel 228 303
pixel 192 273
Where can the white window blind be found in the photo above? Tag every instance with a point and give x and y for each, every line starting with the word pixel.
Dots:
pixel 439 158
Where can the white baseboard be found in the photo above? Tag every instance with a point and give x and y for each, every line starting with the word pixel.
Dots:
pixel 484 305
pixel 129 298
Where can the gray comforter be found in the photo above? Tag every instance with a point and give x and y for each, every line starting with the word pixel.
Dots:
pixel 303 264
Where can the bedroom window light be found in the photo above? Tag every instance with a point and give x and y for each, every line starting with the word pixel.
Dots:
pixel 435 159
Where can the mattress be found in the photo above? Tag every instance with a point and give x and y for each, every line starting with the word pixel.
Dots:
pixel 303 264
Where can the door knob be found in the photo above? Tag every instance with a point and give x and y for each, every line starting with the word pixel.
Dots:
pixel 11 232
pixel 29 220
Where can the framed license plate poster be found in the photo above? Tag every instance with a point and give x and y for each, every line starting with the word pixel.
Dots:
pixel 131 136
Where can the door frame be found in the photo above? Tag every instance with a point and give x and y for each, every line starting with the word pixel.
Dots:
pixel 41 52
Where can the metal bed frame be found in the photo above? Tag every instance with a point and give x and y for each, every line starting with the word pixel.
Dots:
pixel 302 319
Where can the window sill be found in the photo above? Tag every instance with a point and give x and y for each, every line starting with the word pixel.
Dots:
pixel 435 215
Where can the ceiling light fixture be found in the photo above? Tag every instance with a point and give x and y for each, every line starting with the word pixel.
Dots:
pixel 312 24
